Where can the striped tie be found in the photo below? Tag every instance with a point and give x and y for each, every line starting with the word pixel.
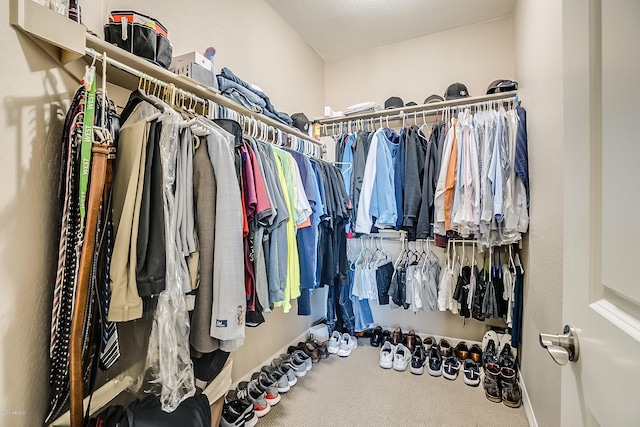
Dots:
pixel 521 166
pixel 110 349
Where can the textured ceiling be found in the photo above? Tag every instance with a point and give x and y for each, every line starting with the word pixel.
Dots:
pixel 338 28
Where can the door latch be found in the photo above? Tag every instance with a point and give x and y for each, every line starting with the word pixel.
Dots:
pixel 563 348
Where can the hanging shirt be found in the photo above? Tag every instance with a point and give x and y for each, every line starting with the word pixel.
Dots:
pixel 383 201
pixel 363 220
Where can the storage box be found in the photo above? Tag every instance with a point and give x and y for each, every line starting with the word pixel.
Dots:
pixel 197 73
pixel 319 332
pixel 188 58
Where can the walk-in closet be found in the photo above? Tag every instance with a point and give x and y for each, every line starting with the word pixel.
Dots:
pixel 303 213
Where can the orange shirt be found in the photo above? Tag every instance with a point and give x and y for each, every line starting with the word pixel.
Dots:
pixel 450 182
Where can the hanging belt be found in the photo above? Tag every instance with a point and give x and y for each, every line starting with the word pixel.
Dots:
pixel 101 154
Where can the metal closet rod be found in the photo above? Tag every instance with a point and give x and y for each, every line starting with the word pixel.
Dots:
pixel 137 73
pixel 403 237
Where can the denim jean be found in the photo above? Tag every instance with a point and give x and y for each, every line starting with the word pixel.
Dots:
pixel 383 280
pixel 338 301
pixel 363 318
pixel 239 97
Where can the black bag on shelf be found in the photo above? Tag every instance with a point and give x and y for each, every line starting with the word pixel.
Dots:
pixel 141 35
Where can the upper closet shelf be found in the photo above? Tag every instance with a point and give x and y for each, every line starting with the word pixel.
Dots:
pixel 72 40
pixel 402 112
pixel 44 24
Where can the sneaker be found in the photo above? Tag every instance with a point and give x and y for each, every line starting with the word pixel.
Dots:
pixel 347 345
pixel 435 361
pixel 294 364
pixel 249 390
pixel 238 413
pixel 308 362
pixel 418 360
pixel 492 383
pixel 451 367
pixel 401 358
pixel 462 351
pixel 506 358
pixel 267 384
pixel 471 373
pixel 490 354
pixel 386 355
pixel 279 376
pixel 334 342
pixel 511 392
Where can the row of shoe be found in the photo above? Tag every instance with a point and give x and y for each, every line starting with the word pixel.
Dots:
pixel 500 370
pixel 342 344
pixel 253 399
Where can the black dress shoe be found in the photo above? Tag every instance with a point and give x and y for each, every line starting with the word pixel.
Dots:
pixel 376 336
pixel 386 336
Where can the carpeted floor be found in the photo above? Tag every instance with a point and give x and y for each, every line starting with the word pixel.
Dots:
pixel 355 391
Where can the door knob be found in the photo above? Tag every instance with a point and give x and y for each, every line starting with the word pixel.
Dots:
pixel 563 348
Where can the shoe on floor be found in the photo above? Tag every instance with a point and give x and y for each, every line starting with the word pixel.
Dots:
pixel 386 336
pixel 435 361
pixel 490 353
pixel 511 392
pixel 334 342
pixel 401 358
pixel 278 377
pixel 249 390
pixel 376 337
pixel 418 360
pixel 462 351
pixel 471 373
pixel 397 337
pixel 475 353
pixel 347 345
pixel 387 353
pixel 492 382
pixel 268 385
pixel 238 413
pixel 428 342
pixel 293 362
pixel 490 335
pixel 445 348
pixel 410 340
pixel 506 358
pixel 320 346
pixel 451 367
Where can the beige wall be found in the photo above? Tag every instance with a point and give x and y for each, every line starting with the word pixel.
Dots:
pixel 538 67
pixel 251 39
pixel 414 69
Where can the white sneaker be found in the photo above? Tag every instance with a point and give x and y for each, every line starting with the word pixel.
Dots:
pixel 334 342
pixel 386 355
pixel 401 358
pixel 347 345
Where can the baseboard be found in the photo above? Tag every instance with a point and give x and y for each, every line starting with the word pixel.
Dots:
pixel 526 403
pixel 302 337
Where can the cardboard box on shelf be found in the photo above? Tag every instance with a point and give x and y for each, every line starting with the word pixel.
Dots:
pixel 196 72
pixel 187 58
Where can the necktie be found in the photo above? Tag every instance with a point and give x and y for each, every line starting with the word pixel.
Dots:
pixel 521 166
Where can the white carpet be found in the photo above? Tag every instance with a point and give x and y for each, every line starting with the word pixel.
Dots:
pixel 355 391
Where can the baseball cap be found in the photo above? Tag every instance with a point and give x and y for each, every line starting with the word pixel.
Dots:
pixel 433 98
pixel 410 104
pixel 301 122
pixel 498 86
pixel 393 102
pixel 455 91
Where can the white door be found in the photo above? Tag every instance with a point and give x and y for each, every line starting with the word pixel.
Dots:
pixel 601 54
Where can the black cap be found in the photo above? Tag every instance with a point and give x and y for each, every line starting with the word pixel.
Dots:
pixel 455 91
pixel 433 98
pixel 393 102
pixel 410 104
pixel 301 122
pixel 498 86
